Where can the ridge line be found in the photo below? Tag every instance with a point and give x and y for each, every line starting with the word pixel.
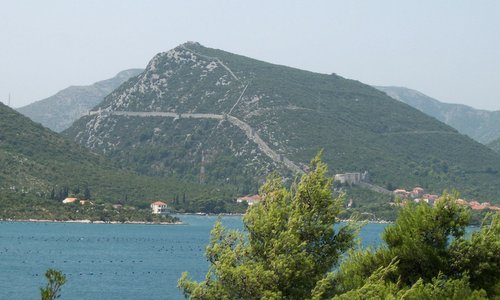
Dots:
pixel 213 57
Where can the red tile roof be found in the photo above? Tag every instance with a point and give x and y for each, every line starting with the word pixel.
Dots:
pixel 250 198
pixel 69 200
pixel 478 207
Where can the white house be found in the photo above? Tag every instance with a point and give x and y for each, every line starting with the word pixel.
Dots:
pixel 159 208
pixel 70 200
pixel 250 200
pixel 352 177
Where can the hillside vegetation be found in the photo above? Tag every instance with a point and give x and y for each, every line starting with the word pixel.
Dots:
pixel 39 165
pixel 495 145
pixel 481 125
pixel 294 112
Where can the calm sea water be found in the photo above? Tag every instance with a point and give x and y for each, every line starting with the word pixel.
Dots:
pixel 111 261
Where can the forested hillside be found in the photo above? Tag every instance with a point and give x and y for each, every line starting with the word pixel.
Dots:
pixel 215 117
pixel 39 164
pixel 495 145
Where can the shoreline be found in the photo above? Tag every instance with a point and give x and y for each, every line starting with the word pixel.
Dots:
pixel 201 214
pixel 241 214
pixel 91 222
pixel 86 221
pixel 367 221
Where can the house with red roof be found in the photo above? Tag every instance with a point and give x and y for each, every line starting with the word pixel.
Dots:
pixel 402 193
pixel 430 198
pixel 70 200
pixel 159 208
pixel 417 192
pixel 250 200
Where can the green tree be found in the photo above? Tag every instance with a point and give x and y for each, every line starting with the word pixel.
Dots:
pixel 429 257
pixel 86 192
pixel 479 257
pixel 55 281
pixel 419 239
pixel 378 287
pixel 52 194
pixel 288 247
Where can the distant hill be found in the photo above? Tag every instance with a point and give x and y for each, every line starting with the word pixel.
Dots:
pixel 481 125
pixel 36 161
pixel 58 112
pixel 495 145
pixel 216 117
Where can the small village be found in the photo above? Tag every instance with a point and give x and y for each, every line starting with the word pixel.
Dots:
pixel 418 195
pixel 157 207
pixel 402 197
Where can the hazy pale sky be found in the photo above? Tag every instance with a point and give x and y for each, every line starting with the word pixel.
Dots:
pixel 449 50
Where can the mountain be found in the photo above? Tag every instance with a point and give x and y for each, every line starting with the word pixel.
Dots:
pixel 495 145
pixel 216 117
pixel 38 162
pixel 481 125
pixel 58 112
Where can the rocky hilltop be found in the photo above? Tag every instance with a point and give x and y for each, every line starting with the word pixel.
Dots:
pixel 58 112
pixel 481 125
pixel 213 116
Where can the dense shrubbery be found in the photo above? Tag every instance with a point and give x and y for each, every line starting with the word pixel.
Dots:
pixel 290 250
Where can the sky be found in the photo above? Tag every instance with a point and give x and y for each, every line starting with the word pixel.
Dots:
pixel 449 50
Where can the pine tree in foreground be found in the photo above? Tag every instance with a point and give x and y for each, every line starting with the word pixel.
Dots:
pixel 289 246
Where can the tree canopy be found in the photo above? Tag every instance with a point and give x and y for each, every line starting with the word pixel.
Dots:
pixel 425 252
pixel 290 249
pixel 289 246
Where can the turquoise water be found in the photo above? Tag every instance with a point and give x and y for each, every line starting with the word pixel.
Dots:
pixel 111 261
